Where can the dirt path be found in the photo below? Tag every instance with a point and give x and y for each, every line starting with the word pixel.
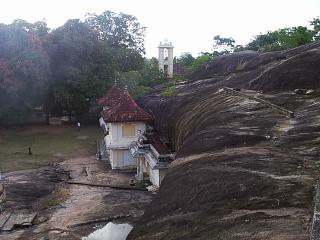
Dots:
pixel 64 209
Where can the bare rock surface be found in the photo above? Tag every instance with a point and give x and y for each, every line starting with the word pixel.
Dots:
pixel 67 211
pixel 243 170
pixel 24 188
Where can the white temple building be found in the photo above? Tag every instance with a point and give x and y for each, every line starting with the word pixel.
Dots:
pixel 123 121
pixel 129 139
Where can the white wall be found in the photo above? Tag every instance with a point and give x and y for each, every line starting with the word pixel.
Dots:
pixel 121 159
pixel 116 143
pixel 141 168
pixel 154 176
pixel 116 137
pixel 157 175
pixel 162 173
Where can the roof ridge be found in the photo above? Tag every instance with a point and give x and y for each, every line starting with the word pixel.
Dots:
pixel 125 109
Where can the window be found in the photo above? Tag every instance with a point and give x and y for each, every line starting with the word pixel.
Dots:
pixel 165 54
pixel 128 130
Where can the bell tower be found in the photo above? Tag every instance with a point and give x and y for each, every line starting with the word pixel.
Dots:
pixel 166 58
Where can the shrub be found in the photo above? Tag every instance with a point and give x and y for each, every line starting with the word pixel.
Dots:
pixel 52 202
pixel 168 92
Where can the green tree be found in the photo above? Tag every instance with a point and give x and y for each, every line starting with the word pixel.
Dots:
pixel 132 82
pixel 200 61
pixel 151 74
pixel 141 82
pixel 123 35
pixel 281 39
pixel 24 69
pixel 315 23
pixel 222 44
pixel 119 30
pixel 32 68
pixel 86 59
pixel 81 67
pixel 22 54
pixel 185 59
pixel 40 28
pixel 125 60
pixel 262 41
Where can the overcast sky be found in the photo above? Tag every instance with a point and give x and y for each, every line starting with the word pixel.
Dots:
pixel 190 25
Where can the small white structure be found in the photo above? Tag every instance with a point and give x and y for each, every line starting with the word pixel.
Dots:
pixel 165 59
pixel 123 122
pixel 153 159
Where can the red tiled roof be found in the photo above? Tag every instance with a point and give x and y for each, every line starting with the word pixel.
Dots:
pixel 112 97
pixel 126 110
pixel 158 144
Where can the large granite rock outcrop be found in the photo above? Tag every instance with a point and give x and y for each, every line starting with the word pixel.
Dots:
pixel 243 169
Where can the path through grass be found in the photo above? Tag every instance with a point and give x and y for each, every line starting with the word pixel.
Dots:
pixel 48 144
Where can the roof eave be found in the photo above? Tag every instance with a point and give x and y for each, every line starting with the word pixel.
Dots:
pixel 127 120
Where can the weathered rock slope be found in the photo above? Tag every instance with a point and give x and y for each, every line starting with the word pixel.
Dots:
pixel 243 169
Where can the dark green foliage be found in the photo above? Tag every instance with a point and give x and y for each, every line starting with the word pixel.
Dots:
pixel 24 70
pixel 185 59
pixel 282 39
pixel 169 92
pixel 126 60
pixel 223 44
pixel 200 61
pixel 192 64
pixel 138 83
pixel 261 40
pixel 119 30
pixel 88 57
pixel 65 70
pixel 79 65
pixel 315 23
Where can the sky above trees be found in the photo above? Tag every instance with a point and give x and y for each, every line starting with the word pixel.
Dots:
pixel 190 25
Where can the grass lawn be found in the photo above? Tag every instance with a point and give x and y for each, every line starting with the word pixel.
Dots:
pixel 51 143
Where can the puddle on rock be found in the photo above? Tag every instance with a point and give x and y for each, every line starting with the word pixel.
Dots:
pixel 111 231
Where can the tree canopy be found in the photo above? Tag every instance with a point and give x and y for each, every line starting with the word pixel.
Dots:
pixel 223 44
pixel 281 39
pixel 64 70
pixel 119 30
